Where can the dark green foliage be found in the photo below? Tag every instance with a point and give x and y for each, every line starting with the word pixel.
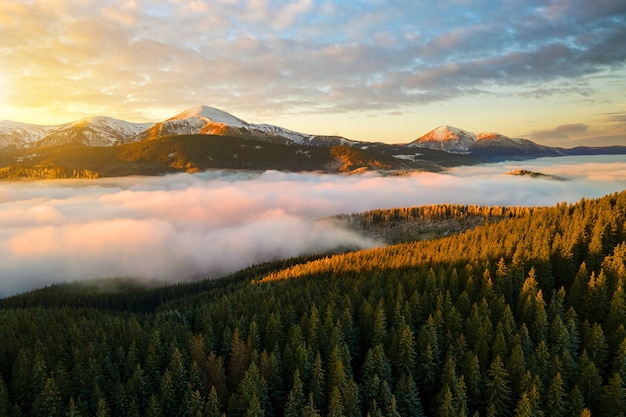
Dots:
pixel 295 400
pixel 523 316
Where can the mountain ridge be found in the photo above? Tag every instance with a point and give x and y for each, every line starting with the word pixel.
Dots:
pixel 28 148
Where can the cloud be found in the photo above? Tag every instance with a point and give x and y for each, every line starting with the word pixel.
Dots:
pixel 615 117
pixel 184 227
pixel 559 132
pixel 298 56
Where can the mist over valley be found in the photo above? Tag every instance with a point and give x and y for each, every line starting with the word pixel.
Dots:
pixel 183 227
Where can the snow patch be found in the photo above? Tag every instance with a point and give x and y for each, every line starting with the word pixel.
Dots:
pixel 212 114
pixel 411 157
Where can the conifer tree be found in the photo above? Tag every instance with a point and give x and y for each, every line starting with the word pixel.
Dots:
pixel 351 398
pixel 497 387
pixel 295 399
pixel 516 366
pixel 73 410
pixel 404 350
pixel 318 381
pixel 133 409
pixel 269 367
pixel 524 407
pixel 154 407
pixel 335 406
pixel 167 394
pixel 392 410
pixel 619 360
pixel 252 385
pixel 575 402
pixel 195 404
pixel 336 371
pixel 272 331
pixel 178 373
pixel 309 409
pixel 376 364
pixel 460 395
pixel 596 346
pixel 409 403
pixel 48 402
pixel 447 408
pixel 428 365
pixel 239 361
pixel 379 325
pixel 216 376
pixel 590 380
pixel 555 398
pixel 254 408
pixel 102 410
pixel 613 397
pixel 473 380
pixel 212 406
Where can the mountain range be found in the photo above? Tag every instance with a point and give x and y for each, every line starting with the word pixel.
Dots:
pixel 205 137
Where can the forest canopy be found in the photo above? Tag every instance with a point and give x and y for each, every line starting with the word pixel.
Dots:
pixel 523 316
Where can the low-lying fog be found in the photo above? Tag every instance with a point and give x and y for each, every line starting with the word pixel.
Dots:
pixel 183 227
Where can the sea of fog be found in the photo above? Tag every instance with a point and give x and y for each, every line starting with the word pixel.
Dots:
pixel 189 226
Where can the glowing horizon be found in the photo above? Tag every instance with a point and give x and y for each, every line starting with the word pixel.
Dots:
pixel 553 73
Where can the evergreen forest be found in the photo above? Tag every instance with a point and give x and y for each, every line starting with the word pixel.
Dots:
pixel 520 313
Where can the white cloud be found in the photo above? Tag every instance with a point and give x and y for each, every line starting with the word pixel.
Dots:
pixel 182 227
pixel 180 53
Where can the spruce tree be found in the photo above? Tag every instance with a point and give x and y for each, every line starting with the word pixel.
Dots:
pixel 497 388
pixel 295 399
pixel 555 405
pixel 212 407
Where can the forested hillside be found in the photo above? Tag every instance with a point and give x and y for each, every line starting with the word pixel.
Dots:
pixel 191 153
pixel 427 222
pixel 521 317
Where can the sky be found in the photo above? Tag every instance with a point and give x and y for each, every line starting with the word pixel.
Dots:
pixel 187 226
pixel 552 71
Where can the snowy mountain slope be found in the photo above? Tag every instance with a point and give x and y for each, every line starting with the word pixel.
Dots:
pixel 94 131
pixel 21 135
pixel 303 138
pixel 446 138
pixel 445 145
pixel 212 114
pixel 211 121
pixel 196 120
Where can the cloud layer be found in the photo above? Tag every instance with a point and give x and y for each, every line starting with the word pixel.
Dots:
pixel 184 227
pixel 135 58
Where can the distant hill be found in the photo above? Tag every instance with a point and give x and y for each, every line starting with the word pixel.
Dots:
pixel 190 153
pixel 100 146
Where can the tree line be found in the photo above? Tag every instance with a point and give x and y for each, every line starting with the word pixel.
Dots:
pixel 521 317
pixel 18 172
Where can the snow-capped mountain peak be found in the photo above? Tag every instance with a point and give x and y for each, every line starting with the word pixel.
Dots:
pixel 212 114
pixel 94 131
pixel 449 133
pixel 446 138
pixel 195 120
